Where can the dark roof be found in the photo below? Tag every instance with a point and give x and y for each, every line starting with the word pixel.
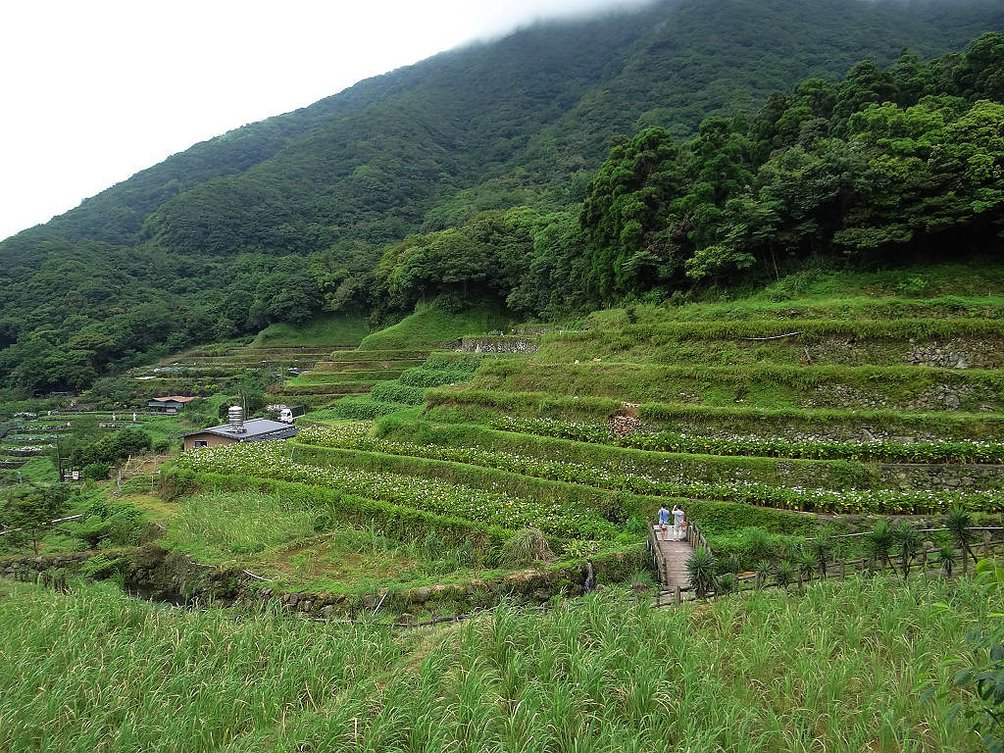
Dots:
pixel 255 430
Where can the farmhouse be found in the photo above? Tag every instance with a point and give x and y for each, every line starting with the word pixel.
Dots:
pixel 171 404
pixel 238 430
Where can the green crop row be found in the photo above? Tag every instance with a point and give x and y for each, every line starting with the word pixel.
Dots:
pixel 970 352
pixel 334 388
pixel 843 308
pixel 396 392
pixel 892 387
pixel 360 409
pixel 664 441
pixel 612 476
pixel 271 460
pixel 723 329
pixel 365 356
pixel 481 405
pixel 428 377
pixel 344 375
pixel 793 376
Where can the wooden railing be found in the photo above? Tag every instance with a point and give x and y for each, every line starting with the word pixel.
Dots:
pixel 696 538
pixel 992 543
pixel 658 558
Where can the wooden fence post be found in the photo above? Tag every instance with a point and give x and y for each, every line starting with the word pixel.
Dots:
pixel 679 596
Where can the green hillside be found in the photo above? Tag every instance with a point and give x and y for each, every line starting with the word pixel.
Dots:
pixel 289 219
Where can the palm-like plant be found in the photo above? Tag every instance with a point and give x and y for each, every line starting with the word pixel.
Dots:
pixel 959 523
pixel 762 568
pixel 784 573
pixel 821 546
pixel 805 562
pixel 909 541
pixel 701 571
pixel 947 557
pixel 880 541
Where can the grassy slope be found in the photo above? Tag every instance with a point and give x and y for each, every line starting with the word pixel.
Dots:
pixel 840 668
pixel 431 327
pixel 279 539
pixel 329 330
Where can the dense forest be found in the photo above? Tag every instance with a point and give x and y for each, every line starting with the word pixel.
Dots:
pixel 561 168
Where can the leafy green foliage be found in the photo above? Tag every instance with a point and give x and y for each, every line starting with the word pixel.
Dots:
pixel 878 166
pixel 27 514
pixel 113 447
pixel 469 178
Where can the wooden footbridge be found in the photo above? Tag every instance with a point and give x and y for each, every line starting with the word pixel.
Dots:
pixel 670 559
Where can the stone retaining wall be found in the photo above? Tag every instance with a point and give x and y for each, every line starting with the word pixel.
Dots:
pixel 955 477
pixel 504 344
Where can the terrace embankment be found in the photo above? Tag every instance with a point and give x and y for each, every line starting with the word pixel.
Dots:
pixel 159 574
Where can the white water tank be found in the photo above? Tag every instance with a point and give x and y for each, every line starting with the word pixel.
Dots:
pixel 235 417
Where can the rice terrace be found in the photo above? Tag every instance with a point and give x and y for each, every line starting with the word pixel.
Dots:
pixel 631 381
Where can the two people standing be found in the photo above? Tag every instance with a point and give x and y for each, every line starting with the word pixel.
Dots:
pixel 678 523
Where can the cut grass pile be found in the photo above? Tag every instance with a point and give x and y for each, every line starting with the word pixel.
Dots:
pixel 844 667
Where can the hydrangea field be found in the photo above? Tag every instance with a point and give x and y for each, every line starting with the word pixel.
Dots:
pixel 271 460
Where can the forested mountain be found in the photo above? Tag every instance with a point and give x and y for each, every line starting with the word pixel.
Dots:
pixel 486 153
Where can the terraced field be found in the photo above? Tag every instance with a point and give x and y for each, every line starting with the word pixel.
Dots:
pixel 721 415
pixel 282 351
pixel 349 372
pixel 358 379
pixel 579 437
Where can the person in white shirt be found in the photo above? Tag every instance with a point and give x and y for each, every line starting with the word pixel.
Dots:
pixel 677 523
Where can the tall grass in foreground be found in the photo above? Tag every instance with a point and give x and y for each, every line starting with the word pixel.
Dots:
pixel 96 671
pixel 842 667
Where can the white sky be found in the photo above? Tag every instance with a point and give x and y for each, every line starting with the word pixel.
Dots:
pixel 92 91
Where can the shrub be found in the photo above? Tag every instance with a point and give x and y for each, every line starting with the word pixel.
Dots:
pixel 96 471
